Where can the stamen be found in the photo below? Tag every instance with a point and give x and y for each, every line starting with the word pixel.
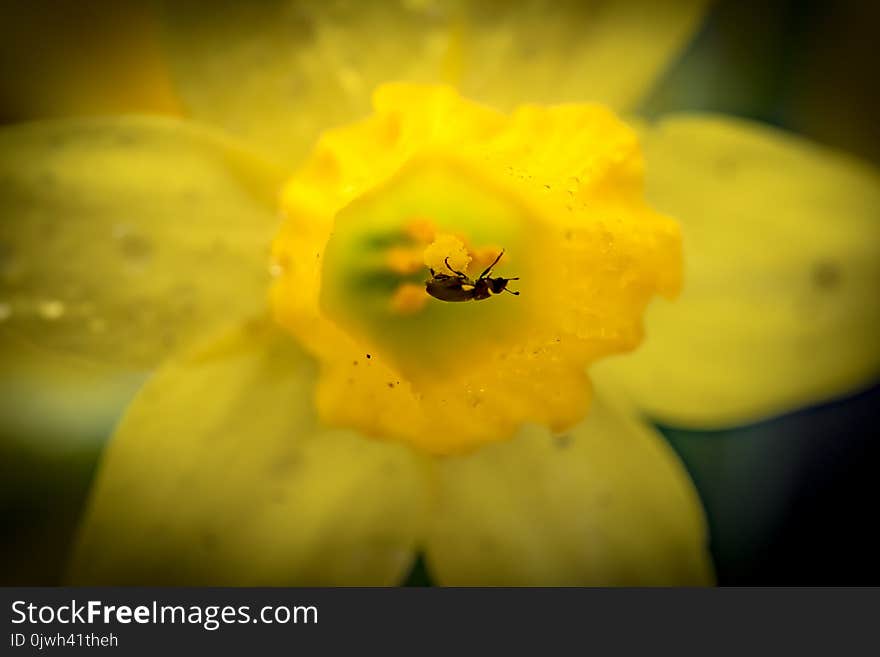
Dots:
pixel 447 247
pixel 421 229
pixel 408 299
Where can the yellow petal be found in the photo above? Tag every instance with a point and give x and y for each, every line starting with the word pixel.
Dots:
pixel 299 67
pixel 219 474
pixel 81 58
pixel 607 503
pixel 609 51
pixel 120 239
pixel 782 244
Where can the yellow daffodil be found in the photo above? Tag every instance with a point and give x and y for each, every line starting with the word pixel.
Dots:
pixel 314 416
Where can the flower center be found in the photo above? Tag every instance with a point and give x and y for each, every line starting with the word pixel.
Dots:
pixel 378 258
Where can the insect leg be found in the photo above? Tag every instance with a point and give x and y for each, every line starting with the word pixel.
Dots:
pixel 452 270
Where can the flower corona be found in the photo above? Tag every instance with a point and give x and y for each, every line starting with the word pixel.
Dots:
pixel 432 178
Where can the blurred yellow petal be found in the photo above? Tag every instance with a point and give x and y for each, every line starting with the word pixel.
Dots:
pixel 547 51
pixel 780 305
pixel 219 474
pixel 120 239
pixel 61 58
pixel 280 72
pixel 607 503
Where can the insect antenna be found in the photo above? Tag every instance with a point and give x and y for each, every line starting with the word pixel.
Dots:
pixel 489 268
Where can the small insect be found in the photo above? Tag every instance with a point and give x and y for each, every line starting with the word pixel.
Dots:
pixel 459 287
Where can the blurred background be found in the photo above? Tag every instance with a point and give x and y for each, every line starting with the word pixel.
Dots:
pixel 789 501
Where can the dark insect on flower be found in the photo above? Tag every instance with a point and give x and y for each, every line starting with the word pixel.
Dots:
pixel 458 287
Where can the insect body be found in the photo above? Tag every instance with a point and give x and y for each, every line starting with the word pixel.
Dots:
pixel 458 287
